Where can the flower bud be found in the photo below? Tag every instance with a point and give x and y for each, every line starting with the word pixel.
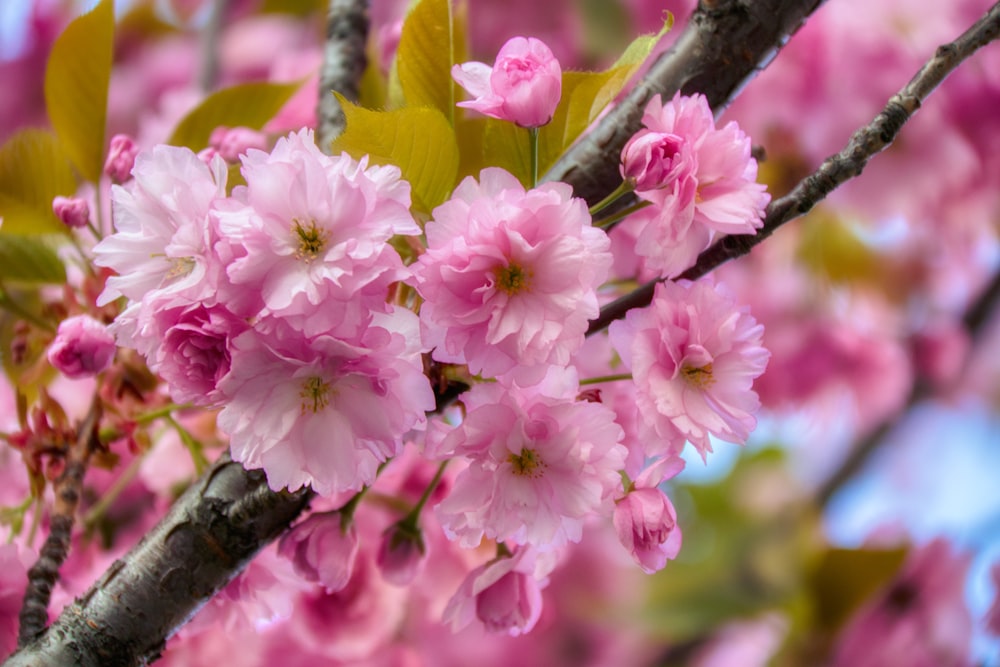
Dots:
pixel 74 212
pixel 523 86
pixel 322 550
pixel 231 142
pixel 651 160
pixel 646 524
pixel 83 347
pixel 121 157
pixel 401 553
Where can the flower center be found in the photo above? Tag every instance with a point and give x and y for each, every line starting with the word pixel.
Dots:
pixel 315 394
pixel 312 240
pixel 512 279
pixel 699 376
pixel 180 266
pixel 527 463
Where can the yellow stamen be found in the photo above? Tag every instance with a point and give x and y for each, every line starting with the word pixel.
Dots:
pixel 527 463
pixel 315 394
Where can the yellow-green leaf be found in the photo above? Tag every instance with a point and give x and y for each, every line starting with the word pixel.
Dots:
pixel 846 578
pixel 246 105
pixel 76 87
pixel 29 259
pixel 417 140
pixel 33 169
pixel 831 249
pixel 432 41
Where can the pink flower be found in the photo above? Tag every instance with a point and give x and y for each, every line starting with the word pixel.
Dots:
pixel 523 86
pixel 693 357
pixel 537 480
pixel 646 521
pixel 74 212
pixel 122 152
pixel 504 595
pixel 232 142
pixel 700 179
pixel 509 278
pixel 322 411
pixel 83 347
pixel 314 231
pixel 322 549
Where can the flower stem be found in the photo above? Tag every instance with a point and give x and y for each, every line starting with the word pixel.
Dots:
pixel 607 223
pixel 533 151
pixel 623 188
pixel 606 378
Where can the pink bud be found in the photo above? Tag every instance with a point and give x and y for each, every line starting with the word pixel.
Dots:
pixel 83 347
pixel 121 157
pixel 646 524
pixel 401 553
pixel 72 211
pixel 231 142
pixel 322 550
pixel 511 604
pixel 523 86
pixel 652 160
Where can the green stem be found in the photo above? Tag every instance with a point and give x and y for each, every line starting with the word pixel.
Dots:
pixel 153 415
pixel 193 446
pixel 415 512
pixel 623 188
pixel 606 378
pixel 94 514
pixel 533 150
pixel 607 223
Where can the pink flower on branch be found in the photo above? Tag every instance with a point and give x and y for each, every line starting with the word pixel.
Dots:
pixel 83 347
pixel 694 356
pixel 523 86
pixel 646 521
pixel 509 278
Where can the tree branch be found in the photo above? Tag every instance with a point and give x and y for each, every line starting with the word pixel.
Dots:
pixel 725 44
pixel 835 170
pixel 344 62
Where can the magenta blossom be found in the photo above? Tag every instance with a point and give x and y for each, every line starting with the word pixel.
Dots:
pixel 122 152
pixel 694 356
pixel 322 549
pixel 83 347
pixel 74 212
pixel 510 276
pixel 646 521
pixel 523 86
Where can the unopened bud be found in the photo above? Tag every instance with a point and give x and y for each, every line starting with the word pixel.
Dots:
pixel 121 158
pixel 74 212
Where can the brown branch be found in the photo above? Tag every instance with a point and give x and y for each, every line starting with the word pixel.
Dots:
pixel 836 169
pixel 344 62
pixel 43 574
pixel 725 44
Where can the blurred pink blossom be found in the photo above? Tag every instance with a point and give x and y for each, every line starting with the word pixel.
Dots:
pixel 523 86
pixel 122 152
pixel 83 347
pixel 322 549
pixel 74 212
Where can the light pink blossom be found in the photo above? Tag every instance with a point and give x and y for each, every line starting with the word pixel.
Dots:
pixel 509 278
pixel 83 347
pixel 693 356
pixel 232 142
pixel 523 86
pixel 314 230
pixel 700 179
pixel 646 521
pixel 322 549
pixel 322 411
pixel 554 463
pixel 504 594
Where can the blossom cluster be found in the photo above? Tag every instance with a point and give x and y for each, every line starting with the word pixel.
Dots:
pixel 286 305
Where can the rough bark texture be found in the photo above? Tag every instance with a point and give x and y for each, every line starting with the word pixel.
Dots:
pixel 723 46
pixel 209 535
pixel 344 61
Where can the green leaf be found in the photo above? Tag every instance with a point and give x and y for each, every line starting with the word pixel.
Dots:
pixel 417 140
pixel 29 259
pixel 432 41
pixel 76 87
pixel 845 578
pixel 246 105
pixel 831 249
pixel 33 170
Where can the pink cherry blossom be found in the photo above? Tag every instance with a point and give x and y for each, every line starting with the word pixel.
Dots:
pixel 535 481
pixel 232 142
pixel 509 278
pixel 83 347
pixel 523 86
pixel 700 178
pixel 314 232
pixel 694 356
pixel 504 594
pixel 323 412
pixel 646 521
pixel 322 549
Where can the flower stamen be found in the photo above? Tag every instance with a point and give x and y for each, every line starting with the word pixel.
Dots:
pixel 512 279
pixel 315 394
pixel 312 240
pixel 527 463
pixel 699 376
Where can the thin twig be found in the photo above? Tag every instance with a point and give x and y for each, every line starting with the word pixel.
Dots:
pixel 344 62
pixel 43 574
pixel 208 72
pixel 835 170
